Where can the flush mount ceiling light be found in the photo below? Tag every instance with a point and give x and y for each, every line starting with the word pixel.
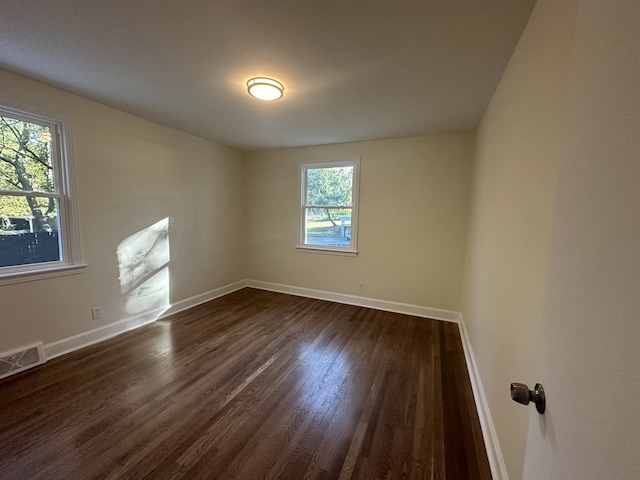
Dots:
pixel 265 88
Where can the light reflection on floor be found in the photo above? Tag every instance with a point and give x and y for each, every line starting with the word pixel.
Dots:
pixel 326 371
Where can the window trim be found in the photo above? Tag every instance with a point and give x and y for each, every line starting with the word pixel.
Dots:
pixel 305 166
pixel 64 193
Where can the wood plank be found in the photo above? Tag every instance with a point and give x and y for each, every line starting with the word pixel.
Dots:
pixel 253 385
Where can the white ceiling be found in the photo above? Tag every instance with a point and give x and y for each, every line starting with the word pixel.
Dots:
pixel 352 69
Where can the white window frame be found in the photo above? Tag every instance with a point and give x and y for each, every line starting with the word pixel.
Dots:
pixel 352 250
pixel 63 186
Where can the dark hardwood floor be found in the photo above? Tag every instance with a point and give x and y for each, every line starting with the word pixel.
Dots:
pixel 253 385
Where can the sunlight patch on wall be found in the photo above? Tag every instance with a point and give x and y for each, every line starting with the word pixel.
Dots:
pixel 143 263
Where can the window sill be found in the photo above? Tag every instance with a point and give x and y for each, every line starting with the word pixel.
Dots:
pixel 40 274
pixel 326 251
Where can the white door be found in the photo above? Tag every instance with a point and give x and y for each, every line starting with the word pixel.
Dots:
pixel 588 358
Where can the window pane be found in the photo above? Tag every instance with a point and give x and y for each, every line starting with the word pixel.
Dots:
pixel 25 156
pixel 329 186
pixel 328 226
pixel 28 230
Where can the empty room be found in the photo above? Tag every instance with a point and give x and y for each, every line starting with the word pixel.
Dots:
pixel 319 240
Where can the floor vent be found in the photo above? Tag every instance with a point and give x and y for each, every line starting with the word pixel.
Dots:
pixel 20 359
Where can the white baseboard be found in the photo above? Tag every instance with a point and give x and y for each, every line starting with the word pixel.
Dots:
pixel 204 297
pixel 84 339
pixel 492 445
pixel 407 309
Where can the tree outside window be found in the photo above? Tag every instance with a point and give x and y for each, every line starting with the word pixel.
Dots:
pixel 328 208
pixel 33 194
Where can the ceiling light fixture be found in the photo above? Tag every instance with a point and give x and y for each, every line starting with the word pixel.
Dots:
pixel 265 88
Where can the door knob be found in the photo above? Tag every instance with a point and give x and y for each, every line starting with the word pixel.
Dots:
pixel 521 394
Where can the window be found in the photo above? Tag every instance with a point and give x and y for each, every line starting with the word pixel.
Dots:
pixel 35 211
pixel 329 210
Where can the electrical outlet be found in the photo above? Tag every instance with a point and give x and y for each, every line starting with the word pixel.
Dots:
pixel 360 285
pixel 96 313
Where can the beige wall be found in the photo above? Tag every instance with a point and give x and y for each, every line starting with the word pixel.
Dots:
pixel 412 227
pixel 228 222
pixel 130 173
pixel 551 278
pixel 515 178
